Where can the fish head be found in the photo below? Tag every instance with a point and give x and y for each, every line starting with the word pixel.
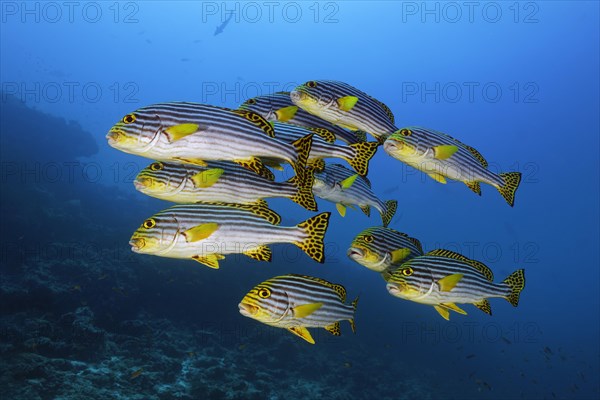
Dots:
pixel 261 105
pixel 403 144
pixel 136 132
pixel 157 234
pixel 318 97
pixel 160 178
pixel 366 249
pixel 409 282
pixel 265 303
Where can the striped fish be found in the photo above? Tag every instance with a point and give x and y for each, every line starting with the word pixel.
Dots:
pixel 206 232
pixel 442 278
pixel 345 106
pixel 279 107
pixel 219 181
pixel 195 133
pixel 296 302
pixel 441 156
pixel 357 155
pixel 379 248
pixel 345 188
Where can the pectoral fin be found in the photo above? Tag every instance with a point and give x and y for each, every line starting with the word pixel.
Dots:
pixel 347 102
pixel 443 312
pixel 200 232
pixel 286 113
pixel 211 260
pixel 303 333
pixel 447 283
pixel 346 183
pixel 399 255
pixel 341 209
pixel 334 329
pixel 207 178
pixel 437 177
pixel 444 151
pixel 180 131
pixel 306 309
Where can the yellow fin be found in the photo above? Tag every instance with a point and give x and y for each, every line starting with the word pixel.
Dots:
pixel 211 260
pixel 306 309
pixel 389 211
pixel 258 208
pixel 180 131
pixel 443 312
pixel 314 228
pixel 341 209
pixel 207 178
pixel 437 177
pixel 304 194
pixel 303 333
pixel 478 156
pixel 273 163
pixel 316 164
pixel 325 134
pixel 484 305
pixel 366 210
pixel 444 151
pixel 511 184
pixel 286 113
pixel 399 255
pixel 447 283
pixel 478 265
pixel 516 284
pixel 347 183
pixel 260 253
pixel 334 329
pixel 347 102
pixel 254 164
pixel 474 186
pixel 386 109
pixel 257 120
pixel 454 307
pixel 363 152
pixel 200 232
pixel 194 161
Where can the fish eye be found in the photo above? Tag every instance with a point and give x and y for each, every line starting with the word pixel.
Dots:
pixel 408 271
pixel 405 132
pixel 264 293
pixel 250 101
pixel 157 166
pixel 149 223
pixel 129 119
pixel 311 84
pixel 369 238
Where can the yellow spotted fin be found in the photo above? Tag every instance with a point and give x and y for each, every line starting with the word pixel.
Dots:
pixel 255 165
pixel 478 265
pixel 474 186
pixel 200 232
pixel 286 113
pixel 351 320
pixel 305 310
pixel 366 210
pixel 361 136
pixel 303 333
pixel 302 146
pixel 207 178
pixel 334 329
pixel 399 255
pixel 210 260
pixel 314 228
pixel 273 163
pixel 260 253
pixel 389 211
pixel 325 134
pixel 180 131
pixel 448 283
pixel 511 184
pixel 484 305
pixel 363 152
pixel 304 194
pixel 516 284
pixel 444 151
pixel 316 165
pixel 257 120
pixel 346 103
pixel 477 155
pixel 341 209
pixel 259 208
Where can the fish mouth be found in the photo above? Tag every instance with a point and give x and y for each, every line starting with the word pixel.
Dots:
pixel 394 290
pixel 296 96
pixel 392 145
pixel 247 310
pixel 140 184
pixel 137 244
pixel 355 252
pixel 114 136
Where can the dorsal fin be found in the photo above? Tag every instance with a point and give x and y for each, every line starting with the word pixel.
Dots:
pixel 386 109
pixel 479 266
pixel 259 208
pixel 339 289
pixel 416 242
pixel 478 156
pixel 257 120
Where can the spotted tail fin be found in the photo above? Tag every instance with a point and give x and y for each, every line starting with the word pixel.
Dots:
pixel 511 183
pixel 304 193
pixel 363 152
pixel 388 212
pixel 352 325
pixel 315 229
pixel 302 147
pixel 516 283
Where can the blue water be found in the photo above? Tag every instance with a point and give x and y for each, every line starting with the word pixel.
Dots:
pixel 83 317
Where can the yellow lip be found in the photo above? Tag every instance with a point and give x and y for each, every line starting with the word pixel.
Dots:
pixel 247 309
pixel 137 243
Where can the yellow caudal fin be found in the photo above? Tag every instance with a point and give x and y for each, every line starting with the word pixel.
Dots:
pixel 314 228
pixel 352 324
pixel 302 147
pixel 511 183
pixel 363 152
pixel 516 284
pixel 389 211
pixel 304 193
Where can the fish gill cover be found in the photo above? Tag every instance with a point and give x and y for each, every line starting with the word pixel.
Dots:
pixel 220 109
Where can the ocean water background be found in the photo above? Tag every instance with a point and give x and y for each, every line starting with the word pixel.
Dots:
pixel 83 317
